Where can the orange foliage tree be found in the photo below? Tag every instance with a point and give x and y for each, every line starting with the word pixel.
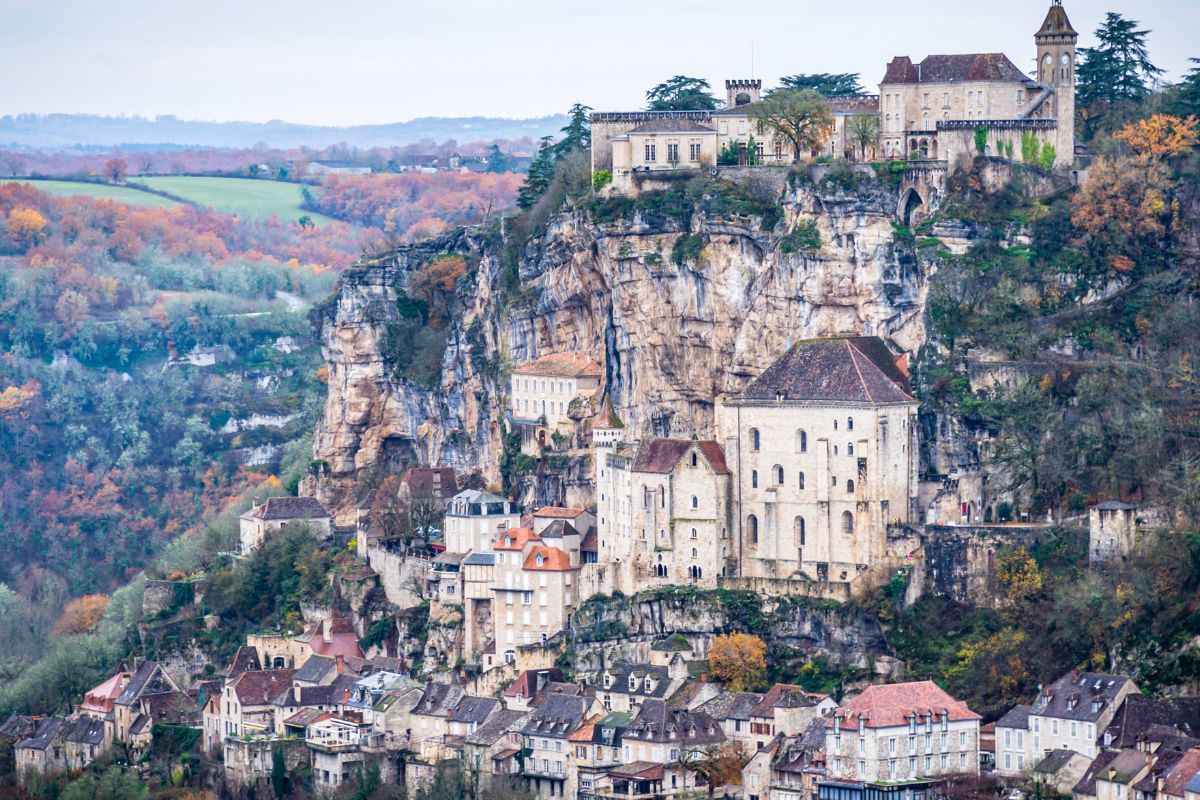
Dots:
pixel 1160 136
pixel 25 227
pixel 435 282
pixel 739 659
pixel 82 614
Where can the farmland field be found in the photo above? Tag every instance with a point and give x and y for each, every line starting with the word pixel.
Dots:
pixel 100 191
pixel 244 197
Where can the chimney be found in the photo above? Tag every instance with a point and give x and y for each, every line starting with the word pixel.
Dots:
pixel 296 693
pixel 257 500
pixel 340 661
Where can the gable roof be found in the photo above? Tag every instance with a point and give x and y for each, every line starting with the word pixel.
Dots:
pixel 661 455
pixel 855 369
pixel 1087 784
pixel 473 709
pixel 315 669
pixel 558 512
pixel 502 721
pixel 515 539
pixel 150 678
pixel 1055 760
pixel 260 687
pixel 786 695
pixel 732 705
pixel 47 731
pixel 245 659
pixel 1178 777
pixel 100 699
pixel 526 684
pixel 660 679
pixel 560 365
pixel 559 529
pixel 657 722
pixel 283 508
pixel 1138 714
pixel 954 68
pixel 438 699
pixel 1072 695
pixel 557 715
pixel 1016 717
pixel 552 559
pixel 891 705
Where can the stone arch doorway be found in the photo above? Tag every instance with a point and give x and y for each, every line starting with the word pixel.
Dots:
pixel 910 202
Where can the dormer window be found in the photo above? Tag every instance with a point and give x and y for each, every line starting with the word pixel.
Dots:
pixel 632 683
pixel 1095 704
pixel 540 560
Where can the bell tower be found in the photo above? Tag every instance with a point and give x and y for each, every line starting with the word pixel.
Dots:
pixel 1056 70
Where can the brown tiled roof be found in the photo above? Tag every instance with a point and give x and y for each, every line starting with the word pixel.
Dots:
pixel 557 512
pixel 421 480
pixel 561 365
pixel 671 125
pixel 100 699
pixel 289 508
pixel 553 559
pixel 559 529
pixel 661 455
pixel 785 695
pixel 953 68
pixel 590 540
pixel 260 687
pixel 1184 770
pixel 526 683
pixel 891 705
pixel 858 369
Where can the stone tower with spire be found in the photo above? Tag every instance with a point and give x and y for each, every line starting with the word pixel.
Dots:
pixel 1056 71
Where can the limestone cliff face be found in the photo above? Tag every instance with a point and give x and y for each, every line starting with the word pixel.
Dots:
pixel 672 337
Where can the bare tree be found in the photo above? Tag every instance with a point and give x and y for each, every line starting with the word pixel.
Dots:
pixel 13 163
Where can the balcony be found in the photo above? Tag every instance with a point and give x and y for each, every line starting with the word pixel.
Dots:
pixel 536 770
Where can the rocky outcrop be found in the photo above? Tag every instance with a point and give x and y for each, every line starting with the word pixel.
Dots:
pixel 673 333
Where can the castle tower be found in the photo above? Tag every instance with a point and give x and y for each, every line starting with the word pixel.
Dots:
pixel 1056 70
pixel 742 92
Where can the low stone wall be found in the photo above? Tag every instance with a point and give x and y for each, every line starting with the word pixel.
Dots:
pixel 842 592
pixel 399 575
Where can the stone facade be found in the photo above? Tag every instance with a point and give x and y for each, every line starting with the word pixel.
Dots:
pixel 1112 531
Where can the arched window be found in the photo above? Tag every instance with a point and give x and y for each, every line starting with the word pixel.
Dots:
pixel 801 481
pixel 694 459
pixel 847 522
pixel 850 448
pixel 777 471
pixel 754 439
pixel 835 424
pixel 801 441
pixel 695 572
pixel 798 526
pixel 835 450
pixel 752 528
pixel 695 501
pixel 693 533
pixel 849 487
pixel 753 479
pixel 660 569
pixel 849 423
pixel 694 552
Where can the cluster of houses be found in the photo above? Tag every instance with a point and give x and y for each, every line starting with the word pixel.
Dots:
pixel 926 110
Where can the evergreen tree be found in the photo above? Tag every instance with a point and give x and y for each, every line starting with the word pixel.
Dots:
pixel 681 93
pixel 497 161
pixel 1116 71
pixel 830 84
pixel 577 134
pixel 1187 98
pixel 541 172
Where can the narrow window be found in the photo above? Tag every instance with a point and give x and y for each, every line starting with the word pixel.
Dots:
pixel 754 439
pixel 800 481
pixel 752 528
pixel 849 423
pixel 695 501
pixel 778 470
pixel 799 526
pixel 753 479
pixel 847 522
pixel 801 441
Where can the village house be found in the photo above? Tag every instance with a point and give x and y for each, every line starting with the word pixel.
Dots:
pixel 668 738
pixel 732 711
pixel 578 518
pixel 248 702
pixel 898 740
pixel 787 710
pixel 129 713
pixel 43 751
pixel 596 751
pixel 334 743
pixel 624 687
pixel 262 518
pixel 823 445
pixel 541 394
pixel 1112 531
pixel 475 518
pixel 663 516
pixel 547 733
pixel 491 750
pixel 787 767
pixel 931 109
pixel 1069 714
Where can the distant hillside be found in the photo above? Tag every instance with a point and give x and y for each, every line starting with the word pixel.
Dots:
pixel 70 130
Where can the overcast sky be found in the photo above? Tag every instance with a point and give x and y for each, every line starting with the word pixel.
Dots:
pixel 345 62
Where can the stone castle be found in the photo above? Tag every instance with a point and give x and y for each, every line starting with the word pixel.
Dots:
pixel 926 111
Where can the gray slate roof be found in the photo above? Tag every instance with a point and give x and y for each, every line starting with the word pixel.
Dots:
pixel 499 723
pixel 557 716
pixel 85 730
pixel 45 733
pixel 1070 697
pixel 659 678
pixel 1054 761
pixel 656 722
pixel 437 699
pixel 283 508
pixel 315 669
pixel 857 369
pixel 1017 717
pixel 1139 715
pixel 731 705
pixel 149 679
pixel 473 709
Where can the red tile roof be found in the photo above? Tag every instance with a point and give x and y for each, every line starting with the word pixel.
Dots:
pixel 100 700
pixel 515 539
pixel 661 455
pixel 553 559
pixel 561 365
pixel 891 705
pixel 261 686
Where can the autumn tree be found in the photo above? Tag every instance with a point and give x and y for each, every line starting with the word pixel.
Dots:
pixel 801 116
pixel 82 615
pixel 681 93
pixel 25 227
pixel 863 130
pixel 1018 574
pixel 115 169
pixel 829 84
pixel 435 283
pixel 1160 137
pixel 739 659
pixel 717 764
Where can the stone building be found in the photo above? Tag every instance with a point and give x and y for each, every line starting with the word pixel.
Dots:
pixel 823 448
pixel 541 394
pixel 898 740
pixel 930 109
pixel 276 512
pixel 1112 531
pixel 475 518
pixel 662 515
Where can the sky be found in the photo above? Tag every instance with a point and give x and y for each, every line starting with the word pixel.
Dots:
pixel 374 61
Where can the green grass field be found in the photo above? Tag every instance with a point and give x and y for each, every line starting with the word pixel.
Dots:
pixel 101 191
pixel 244 197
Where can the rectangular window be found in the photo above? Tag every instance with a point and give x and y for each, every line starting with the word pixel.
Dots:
pixel 673 152
pixel 741 126
pixel 650 154
pixel 694 151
